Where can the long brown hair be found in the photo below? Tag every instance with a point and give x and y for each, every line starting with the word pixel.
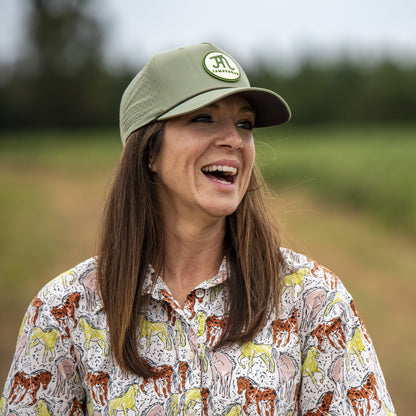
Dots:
pixel 132 238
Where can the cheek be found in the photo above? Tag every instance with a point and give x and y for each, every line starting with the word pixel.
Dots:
pixel 165 161
pixel 250 156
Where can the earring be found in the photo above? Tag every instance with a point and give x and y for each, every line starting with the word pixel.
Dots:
pixel 150 165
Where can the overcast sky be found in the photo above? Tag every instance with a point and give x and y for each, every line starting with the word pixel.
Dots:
pixel 280 30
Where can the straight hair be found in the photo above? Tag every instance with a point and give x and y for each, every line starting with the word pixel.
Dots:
pixel 132 238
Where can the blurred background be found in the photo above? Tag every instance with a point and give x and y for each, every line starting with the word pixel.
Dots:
pixel 342 171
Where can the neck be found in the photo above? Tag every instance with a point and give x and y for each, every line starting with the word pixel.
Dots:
pixel 193 254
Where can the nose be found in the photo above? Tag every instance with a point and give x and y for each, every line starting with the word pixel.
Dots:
pixel 229 137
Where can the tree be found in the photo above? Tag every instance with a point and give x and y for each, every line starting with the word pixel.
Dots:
pixel 61 80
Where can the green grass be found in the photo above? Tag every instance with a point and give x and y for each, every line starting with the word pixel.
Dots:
pixel 48 180
pixel 62 150
pixel 370 168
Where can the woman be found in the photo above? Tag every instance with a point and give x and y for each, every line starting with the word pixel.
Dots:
pixel 191 306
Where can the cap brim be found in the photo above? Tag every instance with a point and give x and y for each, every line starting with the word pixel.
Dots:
pixel 270 108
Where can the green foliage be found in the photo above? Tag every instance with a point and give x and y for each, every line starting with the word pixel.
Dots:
pixel 64 38
pixel 344 92
pixel 62 81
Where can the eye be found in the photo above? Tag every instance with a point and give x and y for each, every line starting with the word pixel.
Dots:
pixel 202 118
pixel 245 124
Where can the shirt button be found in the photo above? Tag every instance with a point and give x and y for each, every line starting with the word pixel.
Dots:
pixel 190 412
pixel 190 355
pixel 199 293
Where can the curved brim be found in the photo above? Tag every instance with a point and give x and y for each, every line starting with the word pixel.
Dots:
pixel 270 108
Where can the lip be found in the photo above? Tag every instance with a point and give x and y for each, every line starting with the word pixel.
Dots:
pixel 216 182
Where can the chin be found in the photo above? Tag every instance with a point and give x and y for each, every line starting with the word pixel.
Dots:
pixel 221 211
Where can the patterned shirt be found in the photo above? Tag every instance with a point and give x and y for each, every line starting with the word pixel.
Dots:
pixel 314 357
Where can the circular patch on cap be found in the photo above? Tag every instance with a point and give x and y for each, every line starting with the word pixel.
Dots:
pixel 221 66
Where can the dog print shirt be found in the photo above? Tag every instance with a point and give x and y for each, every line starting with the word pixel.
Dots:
pixel 314 357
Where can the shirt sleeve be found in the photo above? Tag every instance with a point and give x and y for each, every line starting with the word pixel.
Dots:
pixel 341 374
pixel 43 378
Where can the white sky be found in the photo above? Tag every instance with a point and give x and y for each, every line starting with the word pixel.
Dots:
pixel 279 30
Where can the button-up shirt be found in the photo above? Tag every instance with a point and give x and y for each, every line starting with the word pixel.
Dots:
pixel 313 356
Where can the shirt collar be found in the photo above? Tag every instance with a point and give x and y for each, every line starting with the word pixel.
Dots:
pixel 154 285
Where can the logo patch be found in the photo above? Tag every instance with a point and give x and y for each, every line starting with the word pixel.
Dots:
pixel 221 66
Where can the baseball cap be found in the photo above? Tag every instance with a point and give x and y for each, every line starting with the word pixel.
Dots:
pixel 182 80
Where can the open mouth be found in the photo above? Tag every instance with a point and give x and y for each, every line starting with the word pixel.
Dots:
pixel 222 174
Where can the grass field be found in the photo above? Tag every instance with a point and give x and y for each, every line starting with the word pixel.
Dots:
pixel 346 197
pixel 368 168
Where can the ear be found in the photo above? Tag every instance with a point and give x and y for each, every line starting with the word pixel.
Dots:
pixel 152 165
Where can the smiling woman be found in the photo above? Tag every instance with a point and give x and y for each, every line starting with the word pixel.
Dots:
pixel 191 289
pixel 205 161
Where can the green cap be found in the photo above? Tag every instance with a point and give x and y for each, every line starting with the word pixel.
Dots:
pixel 183 80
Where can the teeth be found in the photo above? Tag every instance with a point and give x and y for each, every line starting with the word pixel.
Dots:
pixel 228 170
pixel 221 181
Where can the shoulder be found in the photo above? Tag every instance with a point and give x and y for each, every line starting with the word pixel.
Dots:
pixel 310 273
pixel 313 289
pixel 76 286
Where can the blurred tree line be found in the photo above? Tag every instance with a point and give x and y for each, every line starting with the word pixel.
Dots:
pixel 345 91
pixel 62 81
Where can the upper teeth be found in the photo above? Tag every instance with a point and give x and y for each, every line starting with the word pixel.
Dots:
pixel 230 170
